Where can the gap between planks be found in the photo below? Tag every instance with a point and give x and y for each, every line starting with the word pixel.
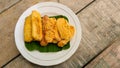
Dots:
pixel 75 13
pixel 85 7
pixel 11 60
pixel 100 52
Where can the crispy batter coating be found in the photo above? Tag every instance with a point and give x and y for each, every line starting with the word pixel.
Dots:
pixel 65 30
pixel 48 29
pixel 56 34
pixel 43 42
pixel 72 30
pixel 62 43
pixel 36 26
pixel 28 30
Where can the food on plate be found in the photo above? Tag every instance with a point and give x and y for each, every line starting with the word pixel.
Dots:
pixel 48 29
pixel 43 42
pixel 47 34
pixel 50 32
pixel 56 33
pixel 65 30
pixel 28 29
pixel 36 26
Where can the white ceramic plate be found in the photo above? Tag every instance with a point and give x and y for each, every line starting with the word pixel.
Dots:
pixel 48 59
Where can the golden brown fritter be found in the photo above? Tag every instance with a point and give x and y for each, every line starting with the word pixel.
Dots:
pixel 65 30
pixel 48 29
pixel 55 30
pixel 72 31
pixel 62 43
pixel 43 42
pixel 28 30
pixel 36 26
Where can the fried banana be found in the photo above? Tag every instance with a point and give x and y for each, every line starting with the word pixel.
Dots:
pixel 28 30
pixel 62 43
pixel 56 34
pixel 65 30
pixel 43 42
pixel 72 31
pixel 36 26
pixel 50 32
pixel 48 29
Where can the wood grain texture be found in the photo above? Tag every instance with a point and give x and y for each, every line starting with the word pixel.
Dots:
pixel 17 61
pixel 5 4
pixel 101 27
pixel 23 63
pixel 110 58
pixel 8 21
pixel 20 62
pixel 75 5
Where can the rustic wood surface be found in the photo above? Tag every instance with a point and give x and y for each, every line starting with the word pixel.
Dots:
pixel 6 4
pixel 101 27
pixel 75 5
pixel 99 47
pixel 110 58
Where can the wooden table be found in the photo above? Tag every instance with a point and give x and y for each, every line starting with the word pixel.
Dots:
pixel 100 44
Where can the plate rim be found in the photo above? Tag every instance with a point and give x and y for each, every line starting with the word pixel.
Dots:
pixel 70 11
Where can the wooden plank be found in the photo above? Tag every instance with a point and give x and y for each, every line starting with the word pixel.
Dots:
pixel 110 57
pixel 24 62
pixel 75 5
pixel 100 27
pixel 5 4
pixel 20 62
pixel 8 21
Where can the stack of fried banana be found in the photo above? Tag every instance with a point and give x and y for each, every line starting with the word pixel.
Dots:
pixel 47 30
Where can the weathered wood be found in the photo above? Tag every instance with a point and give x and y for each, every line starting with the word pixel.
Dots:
pixel 20 62
pixel 8 21
pixel 75 5
pixel 110 58
pixel 6 4
pixel 17 61
pixel 101 26
pixel 23 63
